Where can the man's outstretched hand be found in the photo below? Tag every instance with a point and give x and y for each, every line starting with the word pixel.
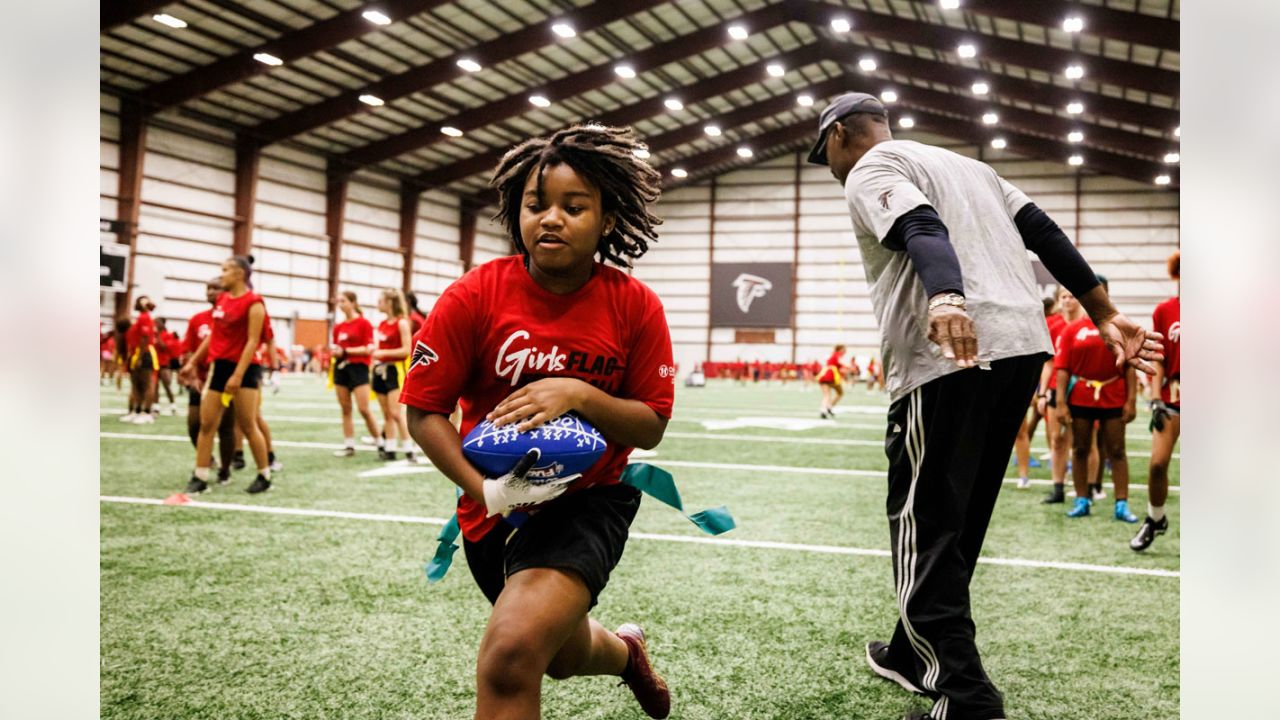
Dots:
pixel 1131 344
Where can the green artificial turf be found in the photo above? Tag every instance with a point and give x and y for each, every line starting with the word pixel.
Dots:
pixel 230 614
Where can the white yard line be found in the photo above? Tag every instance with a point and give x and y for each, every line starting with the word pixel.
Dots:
pixel 664 461
pixel 725 542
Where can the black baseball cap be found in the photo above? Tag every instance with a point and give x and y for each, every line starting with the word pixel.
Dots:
pixel 847 104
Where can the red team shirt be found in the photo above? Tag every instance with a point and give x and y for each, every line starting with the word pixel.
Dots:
pixel 260 355
pixel 356 332
pixel 496 330
pixel 389 335
pixel 141 333
pixel 1167 320
pixel 1056 324
pixel 231 325
pixel 1082 353
pixel 832 367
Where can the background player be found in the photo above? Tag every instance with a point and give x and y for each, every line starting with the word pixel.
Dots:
pixel 199 327
pixel 831 380
pixel 353 347
pixel 393 338
pixel 141 340
pixel 1166 411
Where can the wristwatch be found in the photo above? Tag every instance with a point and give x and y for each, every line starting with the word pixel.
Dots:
pixel 953 299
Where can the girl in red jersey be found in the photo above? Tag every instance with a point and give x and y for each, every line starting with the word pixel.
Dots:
pixel 393 339
pixel 353 347
pixel 141 339
pixel 525 339
pixel 166 360
pixel 199 327
pixel 832 383
pixel 238 317
pixel 1166 410
pixel 1095 391
pixel 416 318
pixel 1058 433
pixel 1022 444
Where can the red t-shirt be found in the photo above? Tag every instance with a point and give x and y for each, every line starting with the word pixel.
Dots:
pixel 1167 320
pixel 356 332
pixel 260 355
pixel 198 328
pixel 142 333
pixel 388 335
pixel 1056 324
pixel 496 330
pixel 231 325
pixel 164 347
pixel 416 319
pixel 1082 353
pixel 831 368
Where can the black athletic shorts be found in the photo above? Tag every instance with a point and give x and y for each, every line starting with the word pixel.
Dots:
pixel 144 362
pixel 386 377
pixel 221 373
pixel 1095 413
pixel 584 532
pixel 174 364
pixel 350 375
pixel 193 397
pixel 1052 399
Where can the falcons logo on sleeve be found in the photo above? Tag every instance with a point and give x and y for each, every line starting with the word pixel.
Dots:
pixel 423 355
pixel 749 288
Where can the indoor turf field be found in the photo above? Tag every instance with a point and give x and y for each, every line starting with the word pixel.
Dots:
pixel 320 608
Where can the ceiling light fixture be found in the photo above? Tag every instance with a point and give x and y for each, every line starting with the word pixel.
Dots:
pixel 376 17
pixel 999 143
pixel 745 152
pixel 679 172
pixel 641 151
pixel 267 59
pixel 712 130
pixel 949 4
pixel 738 32
pixel 1074 72
pixel 372 100
pixel 990 118
pixel 776 70
pixel 1177 132
pixel 564 30
pixel 171 21
pixel 451 131
pixel 1075 107
pixel 1172 158
pixel 1073 24
pixel 967 50
pixel 539 101
pixel 469 65
pixel 1075 160
pixel 1162 179
pixel 625 71
pixel 889 97
pixel 673 104
pixel 906 122
pixel 1075 136
pixel 981 88
pixel 805 100
pixel 841 25
pixel 867 64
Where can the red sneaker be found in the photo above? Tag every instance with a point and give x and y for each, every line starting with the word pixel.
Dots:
pixel 648 687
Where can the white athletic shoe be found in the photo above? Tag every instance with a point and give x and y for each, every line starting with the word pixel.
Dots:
pixel 1023 483
pixel 144 419
pixel 128 417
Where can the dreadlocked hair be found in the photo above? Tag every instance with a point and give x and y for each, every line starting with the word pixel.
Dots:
pixel 603 156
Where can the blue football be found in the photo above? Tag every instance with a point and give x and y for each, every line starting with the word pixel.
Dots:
pixel 568 445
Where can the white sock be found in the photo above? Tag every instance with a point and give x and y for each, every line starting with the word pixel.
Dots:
pixel 266 473
pixel 202 474
pixel 409 446
pixel 1156 513
pixel 349 442
pixel 382 443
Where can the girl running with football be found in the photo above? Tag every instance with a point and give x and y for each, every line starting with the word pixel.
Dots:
pixel 523 340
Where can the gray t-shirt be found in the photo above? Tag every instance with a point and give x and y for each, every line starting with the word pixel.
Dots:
pixel 978 207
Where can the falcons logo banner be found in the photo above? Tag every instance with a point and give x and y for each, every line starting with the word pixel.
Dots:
pixel 423 355
pixel 751 295
pixel 749 288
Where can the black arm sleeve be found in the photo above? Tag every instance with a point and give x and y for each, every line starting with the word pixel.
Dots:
pixel 923 236
pixel 1043 237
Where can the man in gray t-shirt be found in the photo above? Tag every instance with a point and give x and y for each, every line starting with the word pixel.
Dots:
pixel 944 241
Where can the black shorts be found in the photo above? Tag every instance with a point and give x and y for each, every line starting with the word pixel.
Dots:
pixel 222 370
pixel 174 364
pixel 193 397
pixel 1052 399
pixel 350 375
pixel 1095 413
pixel 584 532
pixel 386 377
pixel 144 362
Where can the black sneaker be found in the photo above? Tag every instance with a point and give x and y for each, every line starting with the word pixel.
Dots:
pixel 1056 496
pixel 389 455
pixel 195 486
pixel 878 659
pixel 1148 532
pixel 237 463
pixel 259 485
pixel 224 477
